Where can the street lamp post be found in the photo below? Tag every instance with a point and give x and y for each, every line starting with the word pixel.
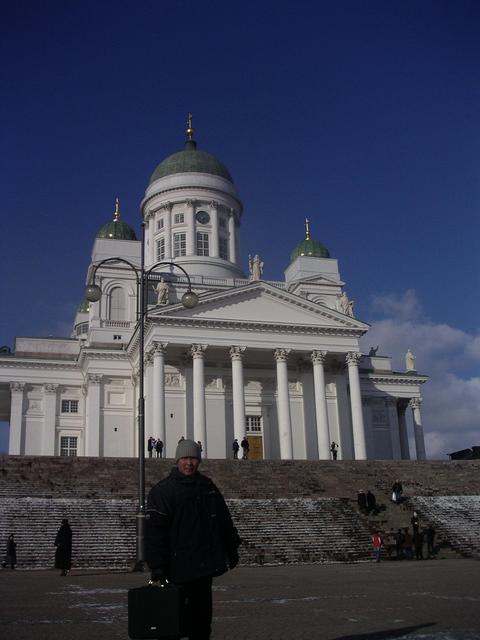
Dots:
pixel 93 293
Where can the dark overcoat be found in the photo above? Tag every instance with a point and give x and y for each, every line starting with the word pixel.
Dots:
pixel 63 553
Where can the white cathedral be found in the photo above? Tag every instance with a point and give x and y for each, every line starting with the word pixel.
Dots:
pixel 277 361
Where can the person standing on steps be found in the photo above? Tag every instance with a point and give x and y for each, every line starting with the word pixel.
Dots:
pixel 245 448
pixel 190 537
pixel 63 553
pixel 11 553
pixel 150 446
pixel 334 450
pixel 377 546
pixel 159 448
pixel 235 449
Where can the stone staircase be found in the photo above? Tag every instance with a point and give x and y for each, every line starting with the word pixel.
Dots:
pixel 286 512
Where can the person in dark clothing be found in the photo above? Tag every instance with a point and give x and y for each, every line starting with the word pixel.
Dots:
pixel 334 450
pixel 245 447
pixel 399 539
pixel 415 520
pixel 159 448
pixel 362 501
pixel 235 448
pixel 190 536
pixel 371 502
pixel 430 533
pixel 150 446
pixel 397 491
pixel 418 544
pixel 11 553
pixel 63 553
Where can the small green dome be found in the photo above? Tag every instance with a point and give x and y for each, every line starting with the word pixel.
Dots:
pixel 191 160
pixel 309 247
pixel 83 307
pixel 117 230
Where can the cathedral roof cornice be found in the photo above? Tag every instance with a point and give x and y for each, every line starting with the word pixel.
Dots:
pixel 221 193
pixel 16 363
pixel 395 378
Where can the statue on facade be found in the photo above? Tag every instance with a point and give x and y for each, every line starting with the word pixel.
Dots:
pixel 410 361
pixel 162 292
pixel 255 266
pixel 346 305
pixel 373 351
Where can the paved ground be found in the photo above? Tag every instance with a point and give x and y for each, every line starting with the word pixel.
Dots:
pixel 433 599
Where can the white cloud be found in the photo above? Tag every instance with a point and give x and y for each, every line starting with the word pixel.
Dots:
pixel 451 406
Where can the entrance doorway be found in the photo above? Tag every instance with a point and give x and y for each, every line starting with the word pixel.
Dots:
pixel 254 431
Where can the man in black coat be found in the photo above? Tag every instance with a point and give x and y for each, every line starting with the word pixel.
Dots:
pixel 189 536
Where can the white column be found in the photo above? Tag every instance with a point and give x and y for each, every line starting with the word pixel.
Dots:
pixel 148 396
pixel 391 404
pixel 283 405
pixel 359 444
pixel 214 249
pixel 418 428
pixel 158 395
pixel 167 229
pixel 49 419
pixel 16 445
pixel 236 355
pixel 151 254
pixel 402 431
pixel 232 243
pixel 323 434
pixel 92 434
pixel 199 408
pixel 190 221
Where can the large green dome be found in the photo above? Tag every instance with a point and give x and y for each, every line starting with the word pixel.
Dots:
pixel 309 247
pixel 191 160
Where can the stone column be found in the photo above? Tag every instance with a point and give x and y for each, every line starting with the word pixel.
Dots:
pixel 190 222
pixel 358 428
pixel 232 243
pixel 16 444
pixel 418 429
pixel 49 419
pixel 199 408
pixel 283 405
pixel 391 404
pixel 214 249
pixel 151 254
pixel 148 396
pixel 92 435
pixel 238 392
pixel 158 395
pixel 167 229
pixel 323 435
pixel 402 430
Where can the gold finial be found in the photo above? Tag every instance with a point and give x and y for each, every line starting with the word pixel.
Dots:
pixel 307 229
pixel 116 213
pixel 190 130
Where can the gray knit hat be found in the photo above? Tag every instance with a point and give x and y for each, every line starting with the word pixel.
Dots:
pixel 187 449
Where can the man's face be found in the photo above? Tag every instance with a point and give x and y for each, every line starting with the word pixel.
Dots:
pixel 188 466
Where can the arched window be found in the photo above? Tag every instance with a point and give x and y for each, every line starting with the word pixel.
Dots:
pixel 118 307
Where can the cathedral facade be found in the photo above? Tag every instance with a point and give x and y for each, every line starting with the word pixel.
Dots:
pixel 276 361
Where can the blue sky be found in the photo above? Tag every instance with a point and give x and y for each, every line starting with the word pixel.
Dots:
pixel 361 116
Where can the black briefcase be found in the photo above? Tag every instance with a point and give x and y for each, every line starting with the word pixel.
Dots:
pixel 154 611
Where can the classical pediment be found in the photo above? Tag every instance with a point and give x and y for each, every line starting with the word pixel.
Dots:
pixel 260 303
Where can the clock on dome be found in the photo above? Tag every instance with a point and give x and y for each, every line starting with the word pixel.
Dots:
pixel 202 217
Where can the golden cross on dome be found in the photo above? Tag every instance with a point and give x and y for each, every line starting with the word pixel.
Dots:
pixel 190 130
pixel 307 229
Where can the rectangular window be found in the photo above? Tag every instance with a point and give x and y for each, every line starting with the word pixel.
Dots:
pixel 179 244
pixel 202 244
pixel 254 424
pixel 160 223
pixel 68 446
pixel 69 406
pixel 160 249
pixel 223 248
pixel 179 218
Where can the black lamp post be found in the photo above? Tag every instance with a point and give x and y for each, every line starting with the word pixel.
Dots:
pixel 93 293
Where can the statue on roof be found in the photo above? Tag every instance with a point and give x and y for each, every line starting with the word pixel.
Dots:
pixel 255 266
pixel 373 351
pixel 409 361
pixel 162 292
pixel 346 305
